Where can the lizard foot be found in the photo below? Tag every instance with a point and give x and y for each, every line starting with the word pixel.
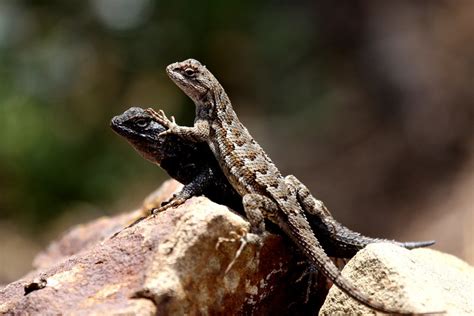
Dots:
pixel 312 273
pixel 175 201
pixel 161 117
pixel 244 238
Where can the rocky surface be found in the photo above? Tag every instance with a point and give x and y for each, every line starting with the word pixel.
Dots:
pixel 176 263
pixel 421 280
pixel 171 264
pixel 84 236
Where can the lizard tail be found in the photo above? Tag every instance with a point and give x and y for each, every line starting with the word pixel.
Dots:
pixel 299 230
pixel 416 244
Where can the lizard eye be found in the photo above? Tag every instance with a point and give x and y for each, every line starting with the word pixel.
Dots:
pixel 189 72
pixel 142 123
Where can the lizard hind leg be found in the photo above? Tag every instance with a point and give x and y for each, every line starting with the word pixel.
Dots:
pixel 258 207
pixel 308 202
pixel 311 272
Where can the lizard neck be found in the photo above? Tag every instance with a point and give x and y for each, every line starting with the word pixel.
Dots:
pixel 213 105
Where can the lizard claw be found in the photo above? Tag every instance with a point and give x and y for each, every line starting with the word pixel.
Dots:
pixel 244 237
pixel 175 201
pixel 161 117
pixel 164 133
pixel 169 123
pixel 311 272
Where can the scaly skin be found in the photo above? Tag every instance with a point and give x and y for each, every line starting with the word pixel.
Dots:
pixel 266 194
pixel 194 165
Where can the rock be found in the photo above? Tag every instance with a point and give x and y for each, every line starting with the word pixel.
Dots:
pixel 420 280
pixel 84 236
pixel 173 263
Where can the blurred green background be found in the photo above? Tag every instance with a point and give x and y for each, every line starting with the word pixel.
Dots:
pixel 370 103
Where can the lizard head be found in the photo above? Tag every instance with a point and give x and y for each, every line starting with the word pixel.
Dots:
pixel 193 78
pixel 141 130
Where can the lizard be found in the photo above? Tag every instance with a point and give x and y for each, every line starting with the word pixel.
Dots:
pixel 266 193
pixel 194 165
pixel 189 163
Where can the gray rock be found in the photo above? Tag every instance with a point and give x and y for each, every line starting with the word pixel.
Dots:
pixel 422 280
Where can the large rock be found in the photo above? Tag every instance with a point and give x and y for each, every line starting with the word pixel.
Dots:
pixel 420 280
pixel 172 264
pixel 85 236
pixel 176 263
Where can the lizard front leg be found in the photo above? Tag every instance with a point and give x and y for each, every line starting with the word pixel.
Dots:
pixel 198 133
pixel 257 207
pixel 194 188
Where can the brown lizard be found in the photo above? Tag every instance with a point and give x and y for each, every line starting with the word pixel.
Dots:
pixel 194 165
pixel 266 194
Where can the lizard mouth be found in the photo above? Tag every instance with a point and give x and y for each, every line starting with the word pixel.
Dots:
pixel 137 139
pixel 171 71
pixel 118 127
pixel 190 88
pixel 175 76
